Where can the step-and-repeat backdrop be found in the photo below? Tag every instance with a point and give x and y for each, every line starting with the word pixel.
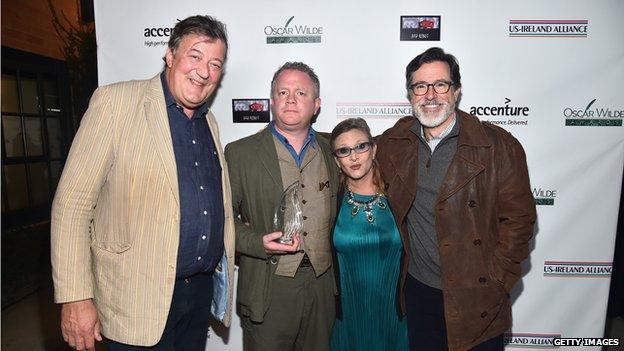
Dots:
pixel 550 72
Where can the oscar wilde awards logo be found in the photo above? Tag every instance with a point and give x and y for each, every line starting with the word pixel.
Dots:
pixel 530 340
pixel 156 36
pixel 548 28
pixel 502 115
pixel 544 196
pixel 593 116
pixel 293 33
pixel 577 269
pixel 373 110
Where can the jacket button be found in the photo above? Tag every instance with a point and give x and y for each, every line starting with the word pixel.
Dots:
pixel 477 242
pixel 303 185
pixel 303 202
pixel 472 203
pixel 483 314
pixel 273 260
pixel 305 233
pixel 482 280
pixel 304 218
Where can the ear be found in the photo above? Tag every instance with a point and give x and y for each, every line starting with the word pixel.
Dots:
pixel 169 58
pixel 457 93
pixel 317 105
pixel 374 149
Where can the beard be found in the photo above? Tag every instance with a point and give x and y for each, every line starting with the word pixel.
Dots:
pixel 432 119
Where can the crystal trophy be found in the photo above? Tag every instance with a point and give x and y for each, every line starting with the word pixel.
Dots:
pixel 288 215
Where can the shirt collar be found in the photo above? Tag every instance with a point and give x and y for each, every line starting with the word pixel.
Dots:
pixel 311 135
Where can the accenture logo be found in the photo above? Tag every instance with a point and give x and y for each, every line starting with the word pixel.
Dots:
pixel 293 33
pixel 530 340
pixel 373 110
pixel 505 114
pixel 577 269
pixel 156 36
pixel 546 28
pixel 593 116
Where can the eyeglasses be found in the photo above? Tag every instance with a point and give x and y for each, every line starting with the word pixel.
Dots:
pixel 359 149
pixel 440 87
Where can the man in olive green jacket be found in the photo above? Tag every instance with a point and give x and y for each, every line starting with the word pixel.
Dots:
pixel 285 292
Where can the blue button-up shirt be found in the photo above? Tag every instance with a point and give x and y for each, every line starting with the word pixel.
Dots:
pixel 310 140
pixel 199 184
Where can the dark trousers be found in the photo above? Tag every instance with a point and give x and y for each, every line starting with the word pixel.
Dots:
pixel 425 320
pixel 187 322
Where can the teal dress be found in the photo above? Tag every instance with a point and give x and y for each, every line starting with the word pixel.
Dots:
pixel 369 255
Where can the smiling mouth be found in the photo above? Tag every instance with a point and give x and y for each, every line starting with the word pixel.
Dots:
pixel 355 167
pixel 195 82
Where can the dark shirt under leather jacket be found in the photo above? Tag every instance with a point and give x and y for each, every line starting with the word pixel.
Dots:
pixel 199 182
pixel 483 219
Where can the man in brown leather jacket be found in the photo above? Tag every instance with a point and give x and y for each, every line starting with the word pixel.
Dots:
pixel 460 193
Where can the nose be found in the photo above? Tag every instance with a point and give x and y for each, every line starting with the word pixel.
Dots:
pixel 431 94
pixel 354 156
pixel 203 71
pixel 290 98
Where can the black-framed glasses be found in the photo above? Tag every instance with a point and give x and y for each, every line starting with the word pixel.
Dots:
pixel 440 87
pixel 359 149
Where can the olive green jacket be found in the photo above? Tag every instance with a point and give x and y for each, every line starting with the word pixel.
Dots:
pixel 257 186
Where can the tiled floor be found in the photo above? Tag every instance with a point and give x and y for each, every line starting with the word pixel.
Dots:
pixel 32 324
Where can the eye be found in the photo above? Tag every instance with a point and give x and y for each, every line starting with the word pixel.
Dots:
pixel 420 86
pixel 282 93
pixel 216 66
pixel 442 85
pixel 342 151
pixel 361 147
pixel 301 93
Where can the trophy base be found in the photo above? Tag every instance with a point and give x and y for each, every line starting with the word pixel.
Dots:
pixel 286 241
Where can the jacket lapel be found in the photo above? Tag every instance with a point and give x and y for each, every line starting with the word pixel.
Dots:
pixel 405 164
pixel 268 156
pixel 467 163
pixel 158 122
pixel 332 171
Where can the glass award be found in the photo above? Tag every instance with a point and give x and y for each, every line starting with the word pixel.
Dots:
pixel 288 215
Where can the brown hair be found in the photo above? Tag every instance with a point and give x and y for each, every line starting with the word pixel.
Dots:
pixel 361 125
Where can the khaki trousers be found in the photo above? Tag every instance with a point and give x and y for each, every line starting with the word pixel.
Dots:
pixel 300 316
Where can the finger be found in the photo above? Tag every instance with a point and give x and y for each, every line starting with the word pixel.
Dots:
pixel 80 344
pixel 296 242
pixel 272 236
pixel 71 340
pixel 89 343
pixel 281 247
pixel 96 332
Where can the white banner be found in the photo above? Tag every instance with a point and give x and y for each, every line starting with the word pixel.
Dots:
pixel 548 72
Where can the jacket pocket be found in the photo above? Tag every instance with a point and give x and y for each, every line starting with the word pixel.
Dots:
pixel 112 246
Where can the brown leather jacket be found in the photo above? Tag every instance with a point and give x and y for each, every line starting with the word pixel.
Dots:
pixel 485 215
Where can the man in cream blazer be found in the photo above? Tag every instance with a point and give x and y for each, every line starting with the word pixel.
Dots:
pixel 142 226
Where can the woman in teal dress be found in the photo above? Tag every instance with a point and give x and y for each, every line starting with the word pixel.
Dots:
pixel 367 249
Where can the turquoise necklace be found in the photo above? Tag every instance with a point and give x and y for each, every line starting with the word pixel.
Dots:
pixel 367 206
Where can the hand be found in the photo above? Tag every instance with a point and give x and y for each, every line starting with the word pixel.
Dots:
pixel 80 324
pixel 273 247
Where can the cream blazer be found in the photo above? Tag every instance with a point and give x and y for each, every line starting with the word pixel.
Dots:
pixel 116 214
